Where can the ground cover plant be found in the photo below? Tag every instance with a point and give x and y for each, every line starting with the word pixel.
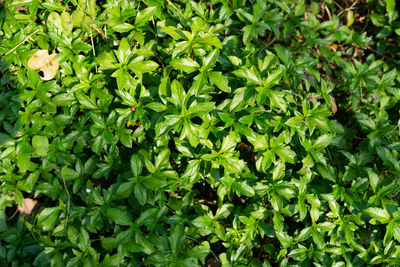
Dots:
pixel 199 133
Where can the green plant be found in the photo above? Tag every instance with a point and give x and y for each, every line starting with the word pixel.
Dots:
pixel 184 133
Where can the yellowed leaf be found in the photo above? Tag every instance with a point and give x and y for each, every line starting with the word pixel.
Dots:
pixel 29 205
pixel 48 64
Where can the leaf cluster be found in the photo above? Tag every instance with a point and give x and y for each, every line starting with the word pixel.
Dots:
pixel 200 133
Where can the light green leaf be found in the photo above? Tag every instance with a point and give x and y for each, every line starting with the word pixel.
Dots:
pixel 124 27
pixel 286 154
pixel 245 189
pixel 210 59
pixel 199 109
pixel 47 218
pixel 69 174
pixel 252 76
pixel 66 22
pixel 218 79
pixel 85 101
pixel 185 64
pixel 41 144
pixel 378 214
pixel 145 15
pixel 156 106
pixel 145 66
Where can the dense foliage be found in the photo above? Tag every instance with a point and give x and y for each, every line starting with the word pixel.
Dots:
pixel 200 133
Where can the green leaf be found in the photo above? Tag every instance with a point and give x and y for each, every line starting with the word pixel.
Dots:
pixel 318 238
pixel 199 109
pixel 177 237
pixel 125 189
pixel 286 154
pixel 175 33
pixel 106 61
pixel 326 172
pixel 145 66
pixel 124 27
pixel 323 141
pixel 178 94
pixel 66 22
pixel 40 144
pixel 69 174
pixel 285 239
pixel 136 164
pixel 156 106
pixel 77 17
pixel 250 32
pixel 118 216
pixel 286 190
pixel 252 76
pixel 64 99
pixel 55 19
pixel 378 214
pixel 216 78
pixel 201 251
pixel 140 194
pixel 85 101
pixel 47 218
pixel 152 182
pixel 145 15
pixel 209 39
pixel 390 5
pixel 124 51
pixel 284 54
pixel 210 59
pixel 260 142
pixel 6 140
pixel 388 158
pixel 24 163
pixel 304 234
pixel 185 64
pixel 396 230
pixel 243 188
pixel 298 253
pixel 373 178
pixel 229 143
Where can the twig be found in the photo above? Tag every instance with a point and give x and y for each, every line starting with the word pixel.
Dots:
pixel 94 51
pixel 19 204
pixel 327 11
pixel 366 24
pixel 23 41
pixel 66 189
pixel 271 42
pixel 382 55
pixel 394 129
pixel 91 38
pixel 15 213
pixel 97 30
pixel 212 252
pixel 348 9
pixel 339 6
pixel 180 12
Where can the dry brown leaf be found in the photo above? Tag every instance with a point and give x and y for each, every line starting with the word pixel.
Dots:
pixel 333 47
pixel 48 64
pixel 29 205
pixel 38 59
pixel 333 105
